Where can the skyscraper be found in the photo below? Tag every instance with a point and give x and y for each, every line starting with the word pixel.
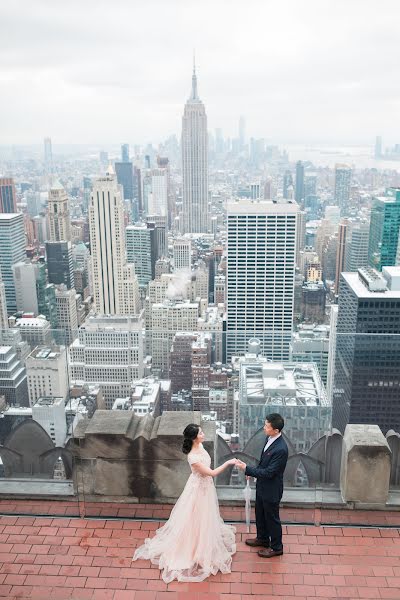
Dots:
pixel 342 187
pixel 8 202
pixel 125 153
pixel 48 155
pixel 384 229
pixel 60 265
pixel 115 285
pixel 299 193
pixel 12 250
pixel 158 199
pixel 124 172
pixel 367 360
pixel 261 252
pixel 138 248
pixel 341 252
pixel 59 215
pixel 3 305
pixel 67 316
pixel 356 255
pixel 195 164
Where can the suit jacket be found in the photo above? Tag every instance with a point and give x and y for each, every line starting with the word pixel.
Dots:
pixel 269 471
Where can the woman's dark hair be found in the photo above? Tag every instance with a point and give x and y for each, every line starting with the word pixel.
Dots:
pixel 190 433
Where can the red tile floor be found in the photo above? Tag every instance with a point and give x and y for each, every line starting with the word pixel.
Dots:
pixel 90 559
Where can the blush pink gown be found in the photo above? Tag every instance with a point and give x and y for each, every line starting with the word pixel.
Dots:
pixel 195 542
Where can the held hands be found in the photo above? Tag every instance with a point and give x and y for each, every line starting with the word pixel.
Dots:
pixel 235 462
pixel 240 464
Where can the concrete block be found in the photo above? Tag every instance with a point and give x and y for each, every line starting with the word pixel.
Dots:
pixel 365 468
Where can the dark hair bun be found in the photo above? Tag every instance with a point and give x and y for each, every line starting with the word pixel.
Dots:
pixel 190 433
pixel 187 446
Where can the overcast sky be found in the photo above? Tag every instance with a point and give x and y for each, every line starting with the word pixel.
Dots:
pixel 89 71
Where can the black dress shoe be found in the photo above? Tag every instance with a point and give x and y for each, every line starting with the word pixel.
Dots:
pixel 269 553
pixel 253 542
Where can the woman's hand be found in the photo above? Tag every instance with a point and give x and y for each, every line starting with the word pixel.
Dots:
pixel 231 462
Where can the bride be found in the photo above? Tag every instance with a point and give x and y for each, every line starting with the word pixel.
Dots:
pixel 195 542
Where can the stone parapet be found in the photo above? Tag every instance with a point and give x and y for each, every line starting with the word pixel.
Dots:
pixel 365 466
pixel 122 454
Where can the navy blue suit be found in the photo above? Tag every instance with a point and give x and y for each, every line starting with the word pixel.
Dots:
pixel 269 490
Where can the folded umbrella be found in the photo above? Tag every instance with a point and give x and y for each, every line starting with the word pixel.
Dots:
pixel 247 497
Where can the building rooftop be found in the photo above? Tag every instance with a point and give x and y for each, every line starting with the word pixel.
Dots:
pixel 364 289
pixel 32 322
pixel 290 384
pixel 48 401
pixel 90 559
pixel 9 216
pixel 46 353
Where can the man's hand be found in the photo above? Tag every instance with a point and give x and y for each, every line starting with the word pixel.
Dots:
pixel 240 464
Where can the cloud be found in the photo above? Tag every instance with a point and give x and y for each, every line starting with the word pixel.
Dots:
pixel 101 72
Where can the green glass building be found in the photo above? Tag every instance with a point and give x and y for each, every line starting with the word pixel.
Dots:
pixel 384 229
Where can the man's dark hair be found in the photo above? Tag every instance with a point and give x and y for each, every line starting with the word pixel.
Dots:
pixel 276 420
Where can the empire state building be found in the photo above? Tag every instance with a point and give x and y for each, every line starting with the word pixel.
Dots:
pixel 195 163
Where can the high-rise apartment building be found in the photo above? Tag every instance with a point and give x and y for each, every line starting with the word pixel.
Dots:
pixel 12 250
pixel 59 214
pixel 342 187
pixel 8 200
pixel 261 252
pixel 366 385
pixel 384 229
pixel 115 286
pixel 195 164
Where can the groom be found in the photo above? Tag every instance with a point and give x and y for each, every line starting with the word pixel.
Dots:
pixel 269 488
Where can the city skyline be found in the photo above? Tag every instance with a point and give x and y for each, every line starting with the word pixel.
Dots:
pixel 260 64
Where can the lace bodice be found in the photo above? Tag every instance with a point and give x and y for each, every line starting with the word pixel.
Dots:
pixel 202 456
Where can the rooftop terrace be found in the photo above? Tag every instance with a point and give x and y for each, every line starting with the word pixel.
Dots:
pixel 90 559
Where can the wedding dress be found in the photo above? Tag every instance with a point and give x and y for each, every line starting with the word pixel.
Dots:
pixel 195 542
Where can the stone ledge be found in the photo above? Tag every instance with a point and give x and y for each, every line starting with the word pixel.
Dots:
pixel 36 487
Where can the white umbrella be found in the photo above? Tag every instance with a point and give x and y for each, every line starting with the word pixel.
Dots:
pixel 247 496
